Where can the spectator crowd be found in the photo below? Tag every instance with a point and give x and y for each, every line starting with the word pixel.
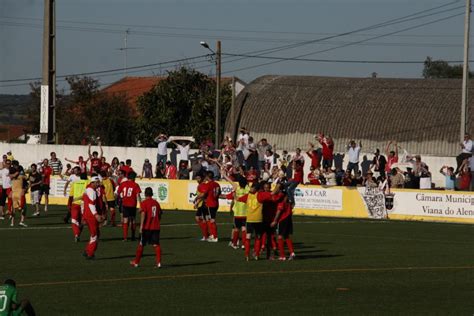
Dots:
pixel 253 160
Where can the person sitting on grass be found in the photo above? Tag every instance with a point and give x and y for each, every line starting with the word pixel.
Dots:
pixel 9 304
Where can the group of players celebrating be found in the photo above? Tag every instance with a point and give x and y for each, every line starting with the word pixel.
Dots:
pixel 259 212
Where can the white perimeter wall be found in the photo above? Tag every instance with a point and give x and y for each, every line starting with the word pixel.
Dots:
pixel 27 154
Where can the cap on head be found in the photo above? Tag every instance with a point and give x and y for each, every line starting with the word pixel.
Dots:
pixel 95 179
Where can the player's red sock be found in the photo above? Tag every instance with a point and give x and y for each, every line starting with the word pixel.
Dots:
pixel 125 230
pixel 257 246
pixel 281 247
pixel 274 245
pixel 10 206
pixel 213 228
pixel 235 236
pixel 203 225
pixel 289 244
pixel 76 230
pixel 247 247
pixel 264 241
pixel 244 237
pixel 158 254
pixel 112 217
pixel 138 254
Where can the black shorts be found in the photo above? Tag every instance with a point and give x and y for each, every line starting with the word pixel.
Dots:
pixel 240 222
pixel 129 211
pixel 285 227
pixel 267 228
pixel 202 211
pixel 255 228
pixel 44 189
pixel 111 204
pixel 213 212
pixel 3 197
pixel 150 237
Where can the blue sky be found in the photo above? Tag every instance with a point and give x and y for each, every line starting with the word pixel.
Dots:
pixel 90 31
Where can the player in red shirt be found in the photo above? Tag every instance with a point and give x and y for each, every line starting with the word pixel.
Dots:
pixel 202 212
pixel 91 217
pixel 81 163
pixel 104 166
pixel 46 172
pixel 150 216
pixel 96 160
pixel 213 191
pixel 269 211
pixel 127 168
pixel 284 221
pixel 129 191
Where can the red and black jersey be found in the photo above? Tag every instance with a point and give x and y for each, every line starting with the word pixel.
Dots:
pixel 126 170
pixel 96 163
pixel 152 210
pixel 313 179
pixel 129 192
pixel 105 167
pixel 213 191
pixel 285 210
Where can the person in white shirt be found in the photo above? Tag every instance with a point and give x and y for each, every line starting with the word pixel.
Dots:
pixel 183 147
pixel 353 152
pixel 162 141
pixel 466 147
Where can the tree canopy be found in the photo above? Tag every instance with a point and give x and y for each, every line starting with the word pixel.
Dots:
pixel 436 69
pixel 87 112
pixel 182 104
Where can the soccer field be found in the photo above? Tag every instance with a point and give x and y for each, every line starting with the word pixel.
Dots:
pixel 343 266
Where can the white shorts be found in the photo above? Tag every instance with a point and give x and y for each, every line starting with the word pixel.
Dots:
pixel 35 197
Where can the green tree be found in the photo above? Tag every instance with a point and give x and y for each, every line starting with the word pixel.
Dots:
pixel 182 104
pixel 435 69
pixel 87 112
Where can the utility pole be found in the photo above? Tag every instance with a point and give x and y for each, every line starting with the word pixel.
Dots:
pixel 465 74
pixel 48 83
pixel 218 93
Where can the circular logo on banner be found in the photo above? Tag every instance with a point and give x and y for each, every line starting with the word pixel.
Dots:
pixel 162 192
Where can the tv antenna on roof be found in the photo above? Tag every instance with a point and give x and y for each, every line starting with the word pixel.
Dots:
pixel 125 48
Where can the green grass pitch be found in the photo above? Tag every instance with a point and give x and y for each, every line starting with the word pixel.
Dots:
pixel 343 266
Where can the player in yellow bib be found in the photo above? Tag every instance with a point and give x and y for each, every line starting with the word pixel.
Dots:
pixel 77 191
pixel 239 209
pixel 109 188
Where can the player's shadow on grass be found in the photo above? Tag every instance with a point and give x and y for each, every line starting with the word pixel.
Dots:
pixel 315 256
pixel 310 251
pixel 178 265
pixel 129 256
pixel 300 245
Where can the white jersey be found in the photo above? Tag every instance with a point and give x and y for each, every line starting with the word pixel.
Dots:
pixel 6 180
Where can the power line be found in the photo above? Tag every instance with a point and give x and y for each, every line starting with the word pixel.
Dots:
pixel 222 37
pixel 345 45
pixel 412 16
pixel 112 70
pixel 337 60
pixel 124 25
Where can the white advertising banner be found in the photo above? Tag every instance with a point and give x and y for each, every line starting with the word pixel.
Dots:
pixel 318 198
pixel 57 187
pixel 44 109
pixel 443 204
pixel 226 188
pixel 160 190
